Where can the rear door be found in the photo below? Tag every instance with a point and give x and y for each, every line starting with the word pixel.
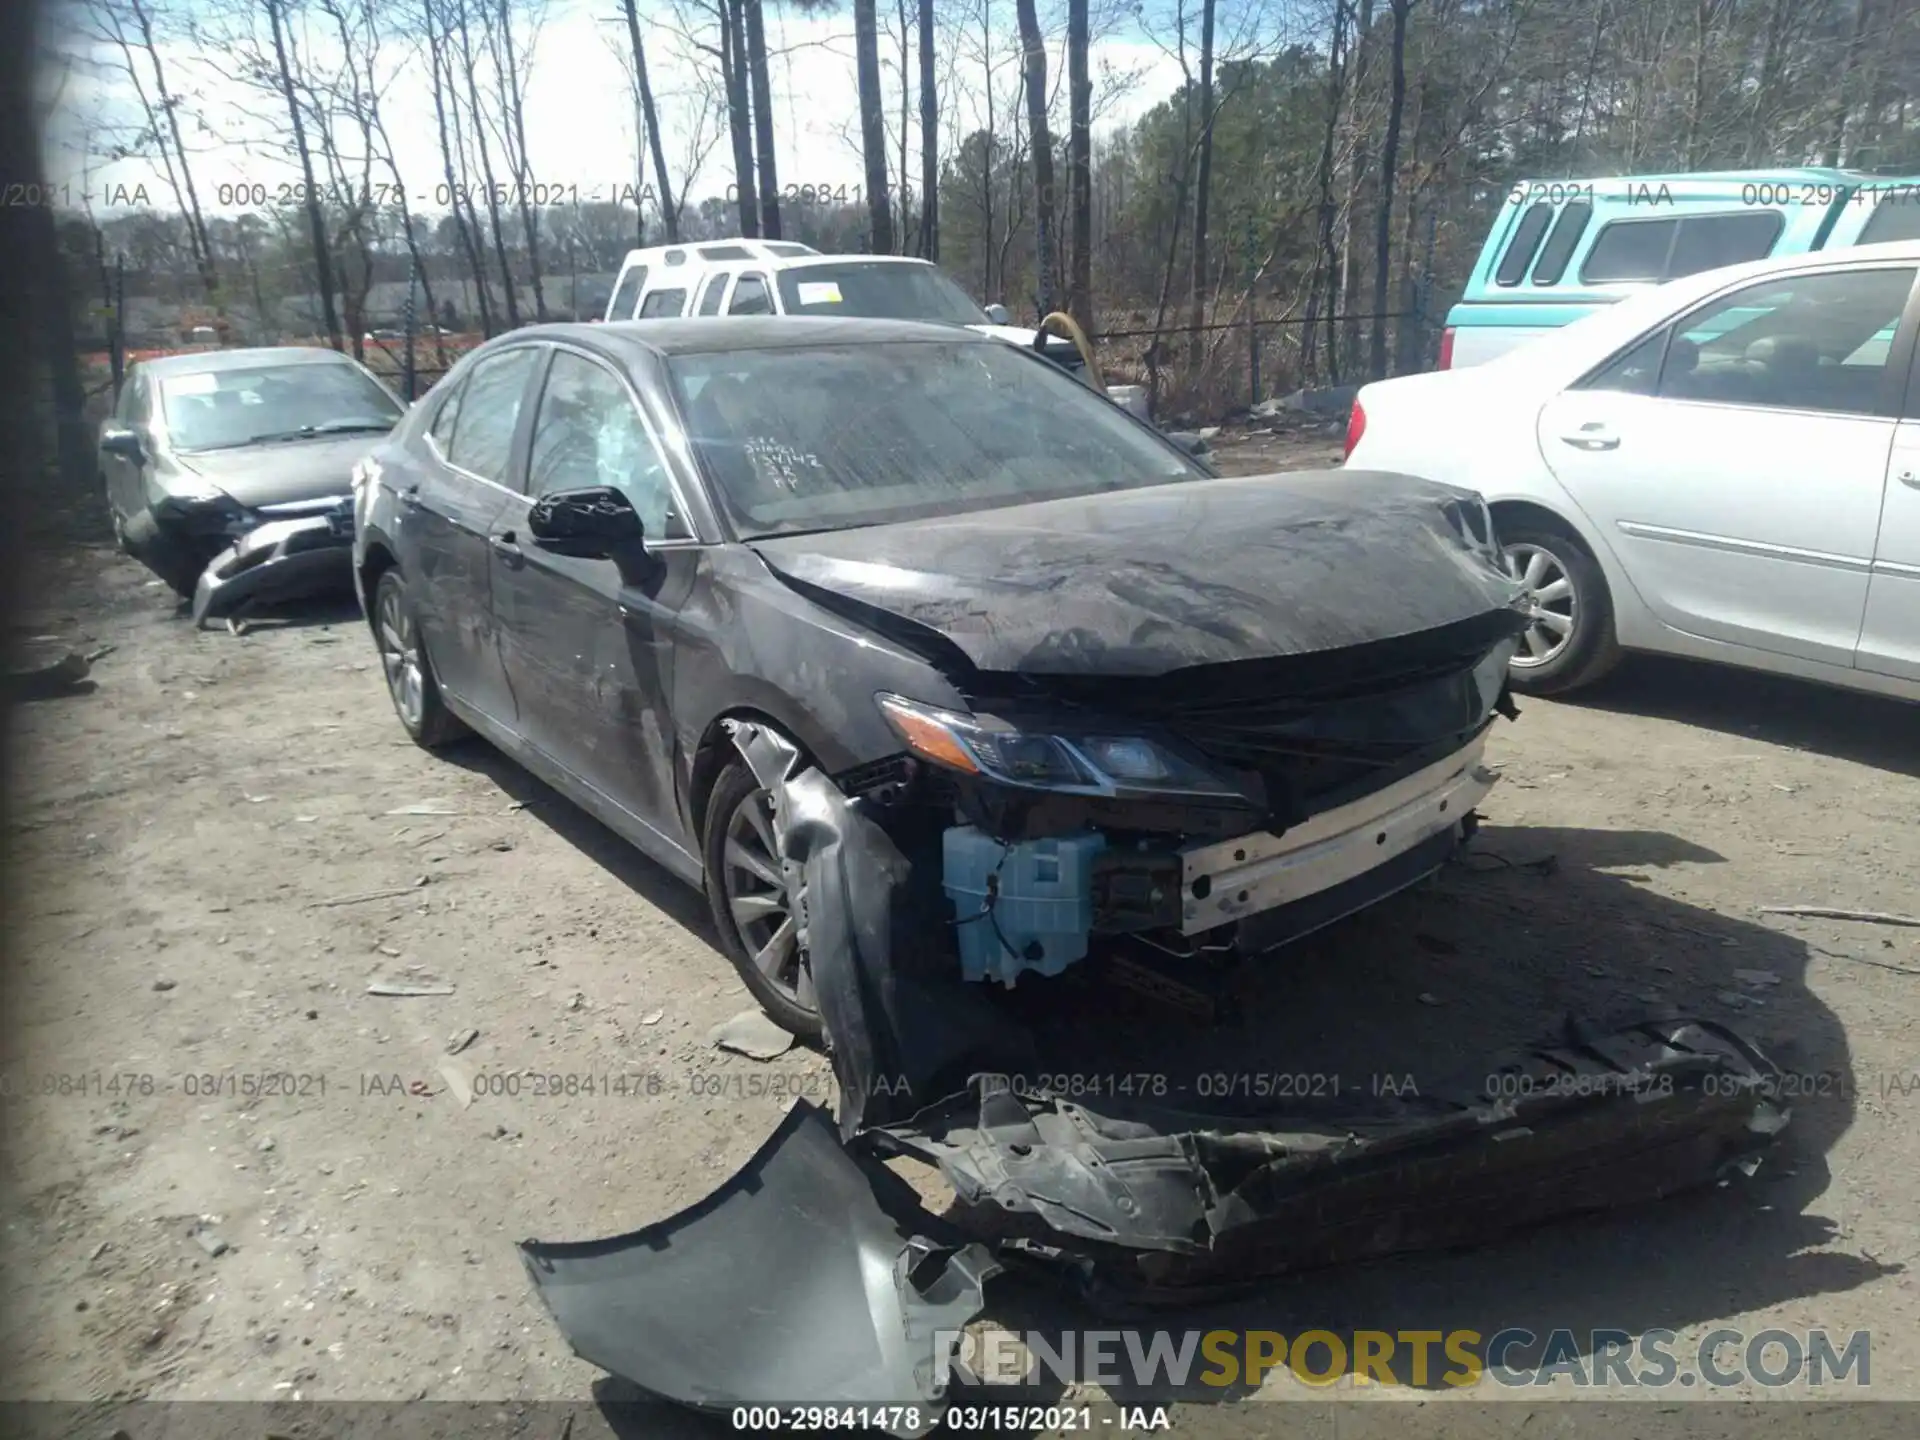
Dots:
pixel 1890 635
pixel 448 518
pixel 1736 457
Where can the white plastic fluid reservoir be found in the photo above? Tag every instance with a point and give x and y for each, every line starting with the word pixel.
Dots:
pixel 1022 906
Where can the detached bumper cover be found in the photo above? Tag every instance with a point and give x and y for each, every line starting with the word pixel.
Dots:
pixel 808 1278
pixel 280 560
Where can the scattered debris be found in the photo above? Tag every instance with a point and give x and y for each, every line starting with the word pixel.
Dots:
pixel 210 1242
pixel 1735 999
pixel 164 984
pixel 1756 977
pixel 266 1146
pixel 425 807
pixel 384 987
pixel 1829 912
pixel 576 1001
pixel 457 1081
pixel 1541 865
pixel 42 682
pixel 1427 998
pixel 752 1034
pixel 99 652
pixel 99 1250
pixel 653 1017
pixel 461 1039
pixel 390 894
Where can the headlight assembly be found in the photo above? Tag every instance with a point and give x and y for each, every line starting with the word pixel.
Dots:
pixel 1084 763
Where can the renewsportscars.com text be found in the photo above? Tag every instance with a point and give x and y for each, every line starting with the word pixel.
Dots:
pixel 1512 1358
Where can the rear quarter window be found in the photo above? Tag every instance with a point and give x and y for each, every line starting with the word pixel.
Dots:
pixel 663 302
pixel 1526 240
pixel 1559 248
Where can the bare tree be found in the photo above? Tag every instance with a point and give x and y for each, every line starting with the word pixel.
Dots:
pixel 507 63
pixel 465 222
pixel 1202 190
pixel 929 139
pixel 873 125
pixel 1080 166
pixel 1389 165
pixel 650 116
pixel 479 133
pixel 322 257
pixel 1040 142
pixel 768 181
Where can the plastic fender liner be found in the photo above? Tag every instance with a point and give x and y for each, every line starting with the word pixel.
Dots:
pixel 1178 1205
pixel 279 560
pixel 808 1278
pixel 902 1033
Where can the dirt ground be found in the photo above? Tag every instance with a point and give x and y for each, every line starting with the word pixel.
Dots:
pixel 222 844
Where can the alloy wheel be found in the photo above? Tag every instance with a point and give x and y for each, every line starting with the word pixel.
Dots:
pixel 757 897
pixel 400 657
pixel 1550 603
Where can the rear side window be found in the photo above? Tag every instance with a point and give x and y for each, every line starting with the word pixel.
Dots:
pixel 663 302
pixel 490 409
pixel 1558 250
pixel 1629 250
pixel 1526 240
pixel 1895 218
pixel 750 297
pixel 711 296
pixel 1706 242
pixel 725 252
pixel 1667 249
pixel 631 284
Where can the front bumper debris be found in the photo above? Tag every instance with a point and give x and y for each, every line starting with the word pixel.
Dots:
pixel 809 1278
pixel 781 1285
pixel 280 560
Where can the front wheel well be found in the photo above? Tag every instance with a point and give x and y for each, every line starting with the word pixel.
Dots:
pixel 378 560
pixel 1514 514
pixel 715 749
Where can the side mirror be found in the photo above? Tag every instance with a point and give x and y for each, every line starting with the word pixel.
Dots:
pixel 595 524
pixel 119 440
pixel 996 314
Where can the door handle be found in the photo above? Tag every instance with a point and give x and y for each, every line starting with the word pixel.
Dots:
pixel 1593 436
pixel 504 547
pixel 1911 478
pixel 410 497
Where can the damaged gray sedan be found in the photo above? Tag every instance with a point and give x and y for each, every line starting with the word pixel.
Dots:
pixel 942 673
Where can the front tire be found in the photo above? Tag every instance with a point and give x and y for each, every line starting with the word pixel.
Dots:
pixel 752 910
pixel 1571 640
pixel 403 658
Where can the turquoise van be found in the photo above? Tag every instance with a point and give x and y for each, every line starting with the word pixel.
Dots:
pixel 1560 249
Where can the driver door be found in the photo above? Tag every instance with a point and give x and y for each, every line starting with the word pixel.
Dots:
pixel 588 654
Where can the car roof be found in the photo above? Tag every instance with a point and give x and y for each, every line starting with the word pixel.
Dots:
pixel 706 334
pixel 205 362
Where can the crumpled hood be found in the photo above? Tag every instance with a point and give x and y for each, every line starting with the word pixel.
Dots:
pixel 1142 582
pixel 278 474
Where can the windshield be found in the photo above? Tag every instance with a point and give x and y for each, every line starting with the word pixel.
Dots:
pixel 878 290
pixel 827 437
pixel 220 409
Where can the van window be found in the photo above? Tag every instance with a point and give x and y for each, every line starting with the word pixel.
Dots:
pixel 779 247
pixel 1558 250
pixel 725 252
pixel 663 302
pixel 1526 240
pixel 1666 249
pixel 1895 218
pixel 750 297
pixel 631 284
pixel 711 296
pixel 1706 242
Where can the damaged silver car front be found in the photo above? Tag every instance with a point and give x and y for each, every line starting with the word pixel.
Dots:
pixel 285 558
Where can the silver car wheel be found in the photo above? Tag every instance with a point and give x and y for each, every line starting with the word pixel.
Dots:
pixel 1549 602
pixel 400 658
pixel 757 897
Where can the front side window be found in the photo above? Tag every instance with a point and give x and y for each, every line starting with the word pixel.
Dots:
pixel 447 417
pixel 1801 342
pixel 225 409
pixel 829 436
pixel 663 303
pixel 489 412
pixel 588 434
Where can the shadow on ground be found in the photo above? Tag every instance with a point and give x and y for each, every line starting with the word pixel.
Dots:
pixel 1866 729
